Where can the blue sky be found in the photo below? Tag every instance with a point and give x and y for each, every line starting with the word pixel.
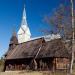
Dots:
pixel 11 15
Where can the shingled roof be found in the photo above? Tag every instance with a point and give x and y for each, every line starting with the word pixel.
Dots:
pixel 53 48
pixel 25 50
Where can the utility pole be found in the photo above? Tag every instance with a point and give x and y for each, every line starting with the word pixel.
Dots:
pixel 73 38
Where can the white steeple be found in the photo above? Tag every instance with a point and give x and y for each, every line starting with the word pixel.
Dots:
pixel 24 22
pixel 24 32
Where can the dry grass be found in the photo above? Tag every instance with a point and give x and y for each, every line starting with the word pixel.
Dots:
pixel 31 73
pixel 20 73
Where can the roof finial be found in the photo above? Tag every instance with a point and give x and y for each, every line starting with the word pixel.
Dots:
pixel 13 31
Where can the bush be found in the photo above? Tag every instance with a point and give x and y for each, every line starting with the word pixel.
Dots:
pixel 1 65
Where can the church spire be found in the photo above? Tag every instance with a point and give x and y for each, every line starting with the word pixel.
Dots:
pixel 24 13
pixel 24 31
pixel 24 21
pixel 13 41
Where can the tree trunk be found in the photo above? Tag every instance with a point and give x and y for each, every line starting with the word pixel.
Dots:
pixel 72 59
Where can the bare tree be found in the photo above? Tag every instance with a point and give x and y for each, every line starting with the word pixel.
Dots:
pixel 63 23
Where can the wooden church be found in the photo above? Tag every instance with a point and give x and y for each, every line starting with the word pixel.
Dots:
pixel 25 53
